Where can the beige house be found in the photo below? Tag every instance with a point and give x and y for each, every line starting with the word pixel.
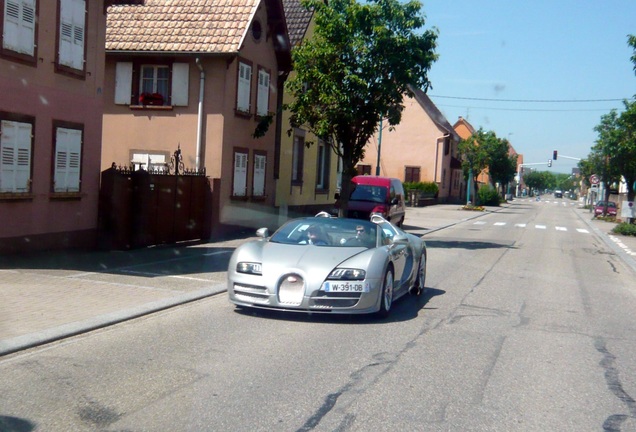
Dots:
pixel 423 147
pixel 309 176
pixel 51 100
pixel 199 79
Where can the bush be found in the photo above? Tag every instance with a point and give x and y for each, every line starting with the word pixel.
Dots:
pixel 625 229
pixel 487 195
pixel 429 187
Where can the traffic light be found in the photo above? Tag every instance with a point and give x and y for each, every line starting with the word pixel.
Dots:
pixel 554 155
pixel 549 162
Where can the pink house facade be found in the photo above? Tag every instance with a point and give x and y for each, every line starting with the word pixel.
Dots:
pixel 51 100
pixel 423 147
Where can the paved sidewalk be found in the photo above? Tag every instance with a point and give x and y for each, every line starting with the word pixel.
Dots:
pixel 50 296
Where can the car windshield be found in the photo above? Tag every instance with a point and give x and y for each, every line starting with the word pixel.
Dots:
pixel 368 193
pixel 609 204
pixel 327 232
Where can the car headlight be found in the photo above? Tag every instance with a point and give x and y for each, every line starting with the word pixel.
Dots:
pixel 249 268
pixel 347 274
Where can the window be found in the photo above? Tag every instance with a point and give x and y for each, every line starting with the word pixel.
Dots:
pixel 19 26
pixel 157 84
pixel 71 34
pixel 411 174
pixel 262 102
pixel 243 88
pixel 239 183
pixel 142 160
pixel 153 85
pixel 15 156
pixel 363 169
pixel 258 182
pixel 298 155
pixel 322 170
pixel 68 160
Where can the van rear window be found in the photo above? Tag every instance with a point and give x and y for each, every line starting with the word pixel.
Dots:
pixel 368 193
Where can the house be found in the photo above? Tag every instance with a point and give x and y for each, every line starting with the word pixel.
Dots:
pixel 422 148
pixel 309 176
pixel 199 78
pixel 51 99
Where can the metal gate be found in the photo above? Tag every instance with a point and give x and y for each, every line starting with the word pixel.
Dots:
pixel 141 208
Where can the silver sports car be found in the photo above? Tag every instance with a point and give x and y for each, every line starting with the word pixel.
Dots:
pixel 327 264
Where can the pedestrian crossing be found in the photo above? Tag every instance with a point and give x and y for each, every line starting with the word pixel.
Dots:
pixel 501 224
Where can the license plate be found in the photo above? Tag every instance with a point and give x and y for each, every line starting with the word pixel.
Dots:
pixel 355 287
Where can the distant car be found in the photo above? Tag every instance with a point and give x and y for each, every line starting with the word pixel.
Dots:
pixel 328 264
pixel 600 206
pixel 558 194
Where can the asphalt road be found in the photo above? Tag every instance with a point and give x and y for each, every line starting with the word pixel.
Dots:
pixel 528 324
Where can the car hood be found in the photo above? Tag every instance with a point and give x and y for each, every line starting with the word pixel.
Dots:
pixel 313 262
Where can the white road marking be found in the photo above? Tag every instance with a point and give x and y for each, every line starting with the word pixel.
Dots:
pixel 583 231
pixel 520 225
pixel 500 223
pixel 561 228
pixel 540 226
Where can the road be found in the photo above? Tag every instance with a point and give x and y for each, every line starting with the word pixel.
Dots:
pixel 527 324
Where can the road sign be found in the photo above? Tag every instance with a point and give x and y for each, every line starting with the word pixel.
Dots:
pixel 594 179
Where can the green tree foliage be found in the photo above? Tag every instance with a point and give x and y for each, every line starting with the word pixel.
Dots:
pixel 484 150
pixel 540 180
pixel 631 41
pixel 356 70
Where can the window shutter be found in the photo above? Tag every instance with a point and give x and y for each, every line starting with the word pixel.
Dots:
pixel 244 80
pixel 259 175
pixel 180 81
pixel 19 26
pixel 123 82
pixel 67 160
pixel 15 151
pixel 240 174
pixel 263 93
pixel 72 28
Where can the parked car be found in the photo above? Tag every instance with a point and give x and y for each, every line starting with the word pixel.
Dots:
pixel 558 194
pixel 328 264
pixel 371 195
pixel 600 206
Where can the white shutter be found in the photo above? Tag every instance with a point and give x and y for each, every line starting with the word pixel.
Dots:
pixel 19 26
pixel 244 82
pixel 240 174
pixel 263 93
pixel 259 175
pixel 72 29
pixel 15 154
pixel 123 82
pixel 180 81
pixel 68 157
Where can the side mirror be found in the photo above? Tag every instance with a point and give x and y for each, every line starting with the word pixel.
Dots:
pixel 337 195
pixel 262 233
pixel 400 239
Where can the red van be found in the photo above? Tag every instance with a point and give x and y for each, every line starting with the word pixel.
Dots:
pixel 376 195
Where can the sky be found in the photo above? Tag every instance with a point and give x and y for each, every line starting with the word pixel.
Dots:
pixel 504 65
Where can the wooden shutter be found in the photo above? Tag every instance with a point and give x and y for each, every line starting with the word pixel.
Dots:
pixel 180 81
pixel 259 175
pixel 244 83
pixel 123 83
pixel 72 33
pixel 68 147
pixel 19 26
pixel 240 174
pixel 263 93
pixel 15 154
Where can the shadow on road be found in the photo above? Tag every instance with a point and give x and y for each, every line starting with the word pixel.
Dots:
pixel 467 244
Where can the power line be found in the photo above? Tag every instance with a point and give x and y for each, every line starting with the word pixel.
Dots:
pixel 532 100
pixel 526 109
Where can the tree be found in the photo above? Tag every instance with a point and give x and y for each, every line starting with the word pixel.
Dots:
pixel 473 158
pixel 355 71
pixel 631 41
pixel 502 166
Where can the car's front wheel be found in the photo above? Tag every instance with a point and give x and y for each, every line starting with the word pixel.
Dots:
pixel 387 295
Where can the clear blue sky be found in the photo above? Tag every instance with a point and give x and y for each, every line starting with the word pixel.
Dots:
pixel 533 50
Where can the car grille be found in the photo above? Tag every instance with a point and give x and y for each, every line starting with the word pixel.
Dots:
pixel 291 290
pixel 250 293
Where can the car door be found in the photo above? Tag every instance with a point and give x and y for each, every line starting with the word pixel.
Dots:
pixel 398 254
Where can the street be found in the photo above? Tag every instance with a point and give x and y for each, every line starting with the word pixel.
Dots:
pixel 527 324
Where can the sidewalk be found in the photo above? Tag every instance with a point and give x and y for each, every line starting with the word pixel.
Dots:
pixel 50 296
